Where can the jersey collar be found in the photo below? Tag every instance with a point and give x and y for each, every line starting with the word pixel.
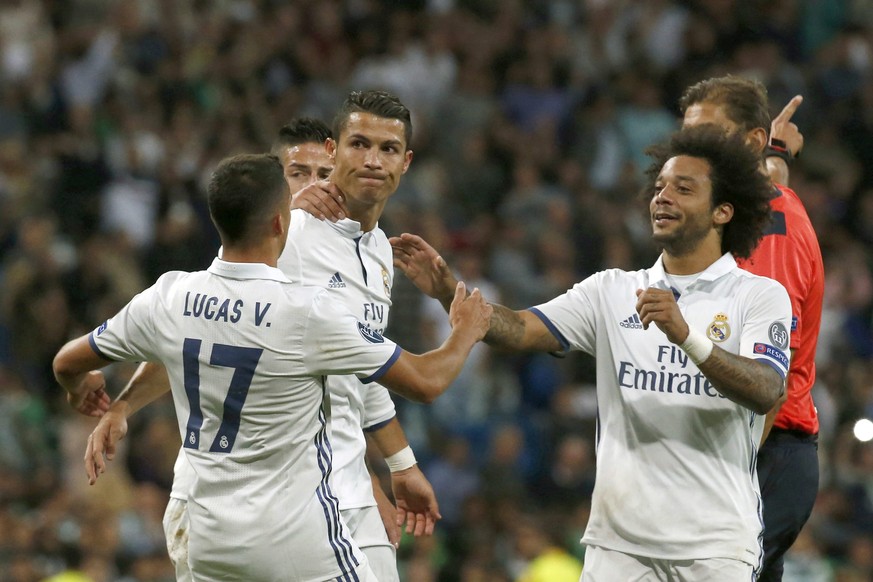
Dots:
pixel 348 228
pixel 724 265
pixel 246 271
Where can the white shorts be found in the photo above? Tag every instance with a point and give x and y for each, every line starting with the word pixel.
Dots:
pixel 365 522
pixel 176 533
pixel 602 565
pixel 368 531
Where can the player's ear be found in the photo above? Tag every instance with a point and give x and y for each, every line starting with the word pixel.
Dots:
pixel 407 161
pixel 757 139
pixel 330 146
pixel 723 213
pixel 279 225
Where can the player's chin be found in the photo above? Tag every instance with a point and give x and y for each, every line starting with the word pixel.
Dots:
pixel 661 235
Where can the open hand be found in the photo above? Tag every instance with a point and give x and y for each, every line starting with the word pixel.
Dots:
pixel 423 265
pixel 102 441
pixel 416 502
pixel 322 199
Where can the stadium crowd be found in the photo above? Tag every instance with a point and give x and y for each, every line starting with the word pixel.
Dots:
pixel 531 118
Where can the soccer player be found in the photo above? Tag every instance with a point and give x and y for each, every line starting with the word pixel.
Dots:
pixel 356 266
pixel 788 469
pixel 247 353
pixel 691 353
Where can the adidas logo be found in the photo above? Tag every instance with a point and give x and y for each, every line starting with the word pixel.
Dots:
pixel 632 322
pixel 336 282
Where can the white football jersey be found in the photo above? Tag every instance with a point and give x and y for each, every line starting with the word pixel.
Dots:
pixel 357 269
pixel 247 352
pixel 676 472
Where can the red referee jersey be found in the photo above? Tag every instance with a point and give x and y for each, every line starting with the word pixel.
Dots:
pixel 789 253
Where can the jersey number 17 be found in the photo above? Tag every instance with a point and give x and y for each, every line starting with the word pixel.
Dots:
pixel 243 361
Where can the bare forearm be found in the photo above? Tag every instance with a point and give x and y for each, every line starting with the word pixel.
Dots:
pixel 149 382
pixel 519 331
pixel 72 364
pixel 390 438
pixel 423 378
pixel 507 328
pixel 444 364
pixel 752 384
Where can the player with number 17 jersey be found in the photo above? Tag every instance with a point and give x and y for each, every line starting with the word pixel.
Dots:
pixel 247 365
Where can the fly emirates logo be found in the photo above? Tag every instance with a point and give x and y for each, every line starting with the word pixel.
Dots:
pixel 673 376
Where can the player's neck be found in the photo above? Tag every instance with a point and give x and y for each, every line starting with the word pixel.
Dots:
pixel 690 263
pixel 265 253
pixel 367 215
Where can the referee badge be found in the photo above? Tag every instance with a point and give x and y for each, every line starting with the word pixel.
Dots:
pixel 386 283
pixel 719 330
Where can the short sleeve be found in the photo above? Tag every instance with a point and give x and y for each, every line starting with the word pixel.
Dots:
pixel 571 317
pixel 378 406
pixel 335 342
pixel 129 335
pixel 766 330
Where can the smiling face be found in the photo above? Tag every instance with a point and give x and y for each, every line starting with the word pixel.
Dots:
pixel 681 206
pixel 370 156
pixel 304 164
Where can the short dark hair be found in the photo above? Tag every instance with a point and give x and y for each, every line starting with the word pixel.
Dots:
pixel 744 100
pixel 301 130
pixel 735 176
pixel 379 103
pixel 243 193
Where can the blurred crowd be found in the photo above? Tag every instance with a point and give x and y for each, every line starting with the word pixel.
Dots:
pixel 531 118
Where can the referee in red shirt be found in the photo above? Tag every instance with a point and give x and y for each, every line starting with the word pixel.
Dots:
pixel 789 252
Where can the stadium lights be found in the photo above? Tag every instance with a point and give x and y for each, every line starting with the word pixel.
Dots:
pixel 863 430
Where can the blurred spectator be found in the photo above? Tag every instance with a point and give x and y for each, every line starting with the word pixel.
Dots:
pixel 545 560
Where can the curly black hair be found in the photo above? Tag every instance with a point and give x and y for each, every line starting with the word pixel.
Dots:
pixel 735 176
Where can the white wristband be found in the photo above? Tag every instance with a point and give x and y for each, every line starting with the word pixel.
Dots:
pixel 402 459
pixel 697 346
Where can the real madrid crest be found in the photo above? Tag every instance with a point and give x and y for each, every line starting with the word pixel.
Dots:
pixel 719 330
pixel 386 283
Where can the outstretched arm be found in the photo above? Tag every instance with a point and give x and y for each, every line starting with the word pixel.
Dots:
pixel 509 329
pixel 752 384
pixel 424 377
